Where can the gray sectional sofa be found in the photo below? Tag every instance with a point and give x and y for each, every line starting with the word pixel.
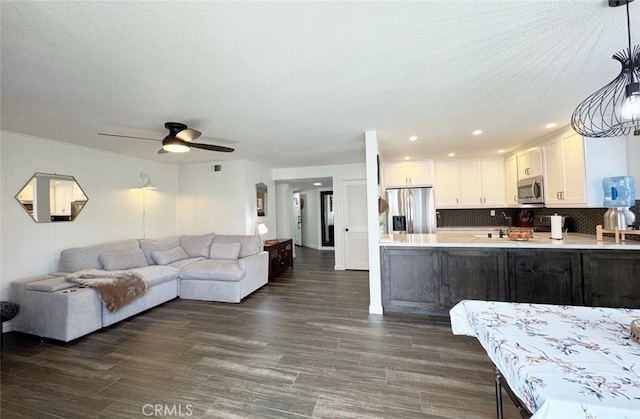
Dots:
pixel 224 268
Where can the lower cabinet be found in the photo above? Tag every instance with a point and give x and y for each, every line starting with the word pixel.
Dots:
pixel 432 280
pixel 546 277
pixel 612 278
pixel 472 275
pixel 411 284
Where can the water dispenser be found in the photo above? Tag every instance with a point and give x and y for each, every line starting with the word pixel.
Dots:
pixel 618 191
pixel 619 195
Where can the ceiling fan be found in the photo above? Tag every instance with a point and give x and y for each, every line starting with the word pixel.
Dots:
pixel 179 140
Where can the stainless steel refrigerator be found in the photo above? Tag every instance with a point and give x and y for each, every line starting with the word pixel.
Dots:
pixel 411 211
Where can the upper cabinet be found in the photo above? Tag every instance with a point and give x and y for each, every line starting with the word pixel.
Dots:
pixel 409 174
pixel 447 183
pixel 511 180
pixel 472 183
pixel 575 166
pixel 529 163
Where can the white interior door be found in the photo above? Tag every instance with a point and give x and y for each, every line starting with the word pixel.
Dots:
pixel 355 224
pixel 297 220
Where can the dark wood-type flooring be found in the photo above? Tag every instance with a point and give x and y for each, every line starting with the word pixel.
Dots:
pixel 302 346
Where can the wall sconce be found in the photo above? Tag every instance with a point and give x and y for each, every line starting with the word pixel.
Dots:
pixel 146 182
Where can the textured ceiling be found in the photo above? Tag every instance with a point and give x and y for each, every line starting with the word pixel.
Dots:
pixel 291 84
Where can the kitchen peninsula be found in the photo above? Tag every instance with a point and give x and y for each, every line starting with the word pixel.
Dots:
pixel 430 273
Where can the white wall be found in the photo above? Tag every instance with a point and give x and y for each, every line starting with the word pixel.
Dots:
pixel 633 160
pixel 114 211
pixel 339 173
pixel 224 202
pixel 375 284
pixel 310 219
pixel 283 211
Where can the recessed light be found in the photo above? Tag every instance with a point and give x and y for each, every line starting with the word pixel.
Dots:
pixel 551 125
pixel 451 154
pixel 477 132
pixel 413 138
pixel 407 158
pixel 317 184
pixel 501 151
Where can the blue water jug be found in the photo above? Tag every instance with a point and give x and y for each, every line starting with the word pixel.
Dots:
pixel 618 191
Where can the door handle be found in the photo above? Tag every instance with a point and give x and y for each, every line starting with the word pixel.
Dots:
pixel 346 229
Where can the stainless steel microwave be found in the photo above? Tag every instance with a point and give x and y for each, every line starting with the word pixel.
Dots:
pixel 531 192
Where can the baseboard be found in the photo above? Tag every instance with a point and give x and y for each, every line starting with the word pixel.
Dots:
pixel 339 267
pixel 7 327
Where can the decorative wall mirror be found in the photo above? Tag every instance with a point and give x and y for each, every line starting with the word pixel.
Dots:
pixel 50 198
pixel 327 215
pixel 261 199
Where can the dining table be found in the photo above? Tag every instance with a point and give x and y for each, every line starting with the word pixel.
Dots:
pixel 558 361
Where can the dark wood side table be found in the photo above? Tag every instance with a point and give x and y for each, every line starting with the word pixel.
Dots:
pixel 280 255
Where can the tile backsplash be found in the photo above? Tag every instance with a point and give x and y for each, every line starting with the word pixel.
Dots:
pixel 579 220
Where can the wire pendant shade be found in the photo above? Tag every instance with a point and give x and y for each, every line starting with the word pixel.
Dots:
pixel 614 110
pixel 599 115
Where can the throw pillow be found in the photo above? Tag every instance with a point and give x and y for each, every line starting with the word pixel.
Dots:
pixel 151 245
pixel 225 250
pixel 116 261
pixel 197 246
pixel 165 257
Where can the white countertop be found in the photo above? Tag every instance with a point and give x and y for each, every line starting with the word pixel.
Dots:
pixel 467 237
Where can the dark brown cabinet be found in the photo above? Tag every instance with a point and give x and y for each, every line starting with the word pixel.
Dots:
pixel 280 256
pixel 545 276
pixel 418 289
pixel 612 278
pixel 472 274
pixel 431 280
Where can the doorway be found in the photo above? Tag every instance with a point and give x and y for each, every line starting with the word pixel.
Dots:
pixel 327 219
pixel 297 219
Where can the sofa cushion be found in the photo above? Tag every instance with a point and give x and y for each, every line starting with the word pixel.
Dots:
pixel 49 284
pixel 180 263
pixel 80 258
pixel 250 245
pixel 152 245
pixel 165 257
pixel 197 246
pixel 225 250
pixel 214 269
pixel 157 274
pixel 128 259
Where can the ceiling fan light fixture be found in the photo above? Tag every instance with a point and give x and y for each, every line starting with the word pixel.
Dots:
pixel 173 145
pixel 614 110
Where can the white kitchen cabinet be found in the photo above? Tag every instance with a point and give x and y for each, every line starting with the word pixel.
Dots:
pixel 575 166
pixel 26 194
pixel 529 163
pixel 493 186
pixel 415 174
pixel 447 184
pixel 472 183
pixel 511 180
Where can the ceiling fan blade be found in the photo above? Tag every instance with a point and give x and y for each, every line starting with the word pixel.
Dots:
pixel 211 147
pixel 188 134
pixel 162 151
pixel 128 136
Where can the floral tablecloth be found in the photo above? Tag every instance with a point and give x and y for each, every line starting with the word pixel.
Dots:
pixel 561 361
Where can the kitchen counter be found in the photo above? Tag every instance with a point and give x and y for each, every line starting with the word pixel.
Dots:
pixel 477 237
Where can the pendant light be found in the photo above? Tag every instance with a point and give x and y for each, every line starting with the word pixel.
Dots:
pixel 614 110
